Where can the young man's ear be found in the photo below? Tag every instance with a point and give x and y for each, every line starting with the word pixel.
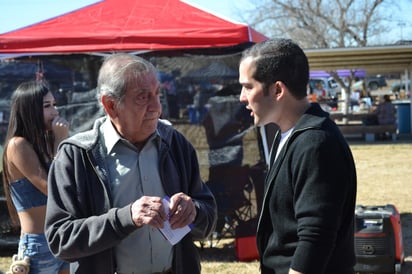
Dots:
pixel 278 89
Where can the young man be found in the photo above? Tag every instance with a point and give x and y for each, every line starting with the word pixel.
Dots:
pixel 106 185
pixel 307 217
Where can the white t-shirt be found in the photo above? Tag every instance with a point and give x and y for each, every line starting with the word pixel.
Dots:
pixel 284 137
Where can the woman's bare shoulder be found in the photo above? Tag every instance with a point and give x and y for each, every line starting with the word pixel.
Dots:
pixel 18 142
pixel 19 145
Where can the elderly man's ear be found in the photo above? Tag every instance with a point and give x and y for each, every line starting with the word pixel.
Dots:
pixel 110 105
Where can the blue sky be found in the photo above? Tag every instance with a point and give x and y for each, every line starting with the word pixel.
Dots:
pixel 14 17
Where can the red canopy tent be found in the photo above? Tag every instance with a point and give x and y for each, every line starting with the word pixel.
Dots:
pixel 129 25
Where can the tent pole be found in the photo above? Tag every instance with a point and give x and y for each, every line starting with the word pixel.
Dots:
pixel 408 89
pixel 264 143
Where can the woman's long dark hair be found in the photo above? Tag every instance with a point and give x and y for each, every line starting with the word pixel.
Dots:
pixel 27 121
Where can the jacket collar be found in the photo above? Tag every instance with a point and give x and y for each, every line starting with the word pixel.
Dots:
pixel 314 117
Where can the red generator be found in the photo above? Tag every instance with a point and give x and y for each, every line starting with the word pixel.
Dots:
pixel 378 239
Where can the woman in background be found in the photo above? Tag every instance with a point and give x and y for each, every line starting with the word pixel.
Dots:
pixel 34 133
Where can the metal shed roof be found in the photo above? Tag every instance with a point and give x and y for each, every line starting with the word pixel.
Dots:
pixel 382 59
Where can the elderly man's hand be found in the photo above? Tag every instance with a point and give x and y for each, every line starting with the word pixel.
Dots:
pixel 148 211
pixel 182 211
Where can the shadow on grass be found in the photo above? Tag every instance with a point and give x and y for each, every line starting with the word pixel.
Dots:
pixel 224 251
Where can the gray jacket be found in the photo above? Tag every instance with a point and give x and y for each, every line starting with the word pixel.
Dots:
pixel 82 226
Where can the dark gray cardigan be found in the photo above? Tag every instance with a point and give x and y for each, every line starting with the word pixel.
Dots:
pixel 81 225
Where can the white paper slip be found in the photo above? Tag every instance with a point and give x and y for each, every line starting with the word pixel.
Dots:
pixel 172 235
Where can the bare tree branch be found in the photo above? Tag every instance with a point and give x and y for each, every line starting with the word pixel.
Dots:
pixel 322 23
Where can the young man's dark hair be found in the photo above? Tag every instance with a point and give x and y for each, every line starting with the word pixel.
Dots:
pixel 280 60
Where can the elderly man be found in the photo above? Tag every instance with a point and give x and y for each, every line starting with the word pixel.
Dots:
pixel 105 204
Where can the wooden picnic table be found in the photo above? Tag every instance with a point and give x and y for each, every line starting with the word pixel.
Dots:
pixel 354 124
pixel 353 117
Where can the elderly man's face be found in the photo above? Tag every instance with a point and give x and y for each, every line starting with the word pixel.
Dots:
pixel 136 115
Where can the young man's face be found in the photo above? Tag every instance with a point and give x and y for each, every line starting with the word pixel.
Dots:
pixel 254 94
